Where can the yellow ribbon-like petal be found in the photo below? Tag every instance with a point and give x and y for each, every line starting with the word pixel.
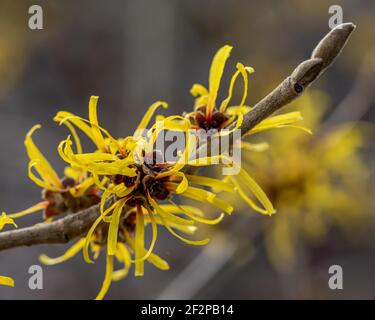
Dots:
pixel 42 166
pixel 80 189
pixel 207 197
pixel 147 117
pixel 123 254
pixel 75 136
pixel 216 72
pixel 257 147
pixel 114 227
pixel 244 71
pixel 63 117
pixel 39 206
pixel 211 182
pixel 6 281
pixel 199 218
pixel 198 90
pixel 256 190
pixel 70 253
pixel 93 117
pixel 153 258
pixel 139 242
pixel 279 121
pixel 4 219
pixel 107 279
pixel 162 214
pixel 153 240
pixel 39 182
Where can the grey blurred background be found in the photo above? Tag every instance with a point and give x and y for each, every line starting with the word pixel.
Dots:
pixel 132 53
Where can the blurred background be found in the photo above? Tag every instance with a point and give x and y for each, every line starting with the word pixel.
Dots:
pixel 131 53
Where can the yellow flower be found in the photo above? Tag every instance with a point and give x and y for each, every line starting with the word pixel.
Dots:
pixel 207 114
pixel 4 219
pixel 143 199
pixel 133 172
pixel 71 194
pixel 74 192
pixel 209 117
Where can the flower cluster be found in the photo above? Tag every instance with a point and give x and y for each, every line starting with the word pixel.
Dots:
pixel 137 186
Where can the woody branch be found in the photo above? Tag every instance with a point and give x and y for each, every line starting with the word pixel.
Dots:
pixel 76 225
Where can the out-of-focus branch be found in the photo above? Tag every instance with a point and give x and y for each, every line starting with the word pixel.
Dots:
pixel 73 226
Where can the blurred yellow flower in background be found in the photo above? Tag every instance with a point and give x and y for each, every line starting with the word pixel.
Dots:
pixel 314 182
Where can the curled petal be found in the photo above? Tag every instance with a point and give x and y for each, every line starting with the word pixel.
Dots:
pixel 207 197
pixel 62 117
pixel 6 281
pixel 199 218
pixel 183 184
pixel 256 190
pixel 147 117
pixel 96 132
pixel 198 90
pixel 216 72
pixel 139 242
pixel 70 253
pixel 123 255
pixel 153 240
pixel 42 166
pixel 39 206
pixel 212 183
pixel 241 69
pixel 80 189
pixel 279 121
pixel 258 147
pixel 153 258
pixel 39 182
pixel 4 219
pixel 162 214
pixel 114 227
pixel 107 279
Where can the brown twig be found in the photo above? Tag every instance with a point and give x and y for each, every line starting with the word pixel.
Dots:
pixel 60 231
pixel 73 226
